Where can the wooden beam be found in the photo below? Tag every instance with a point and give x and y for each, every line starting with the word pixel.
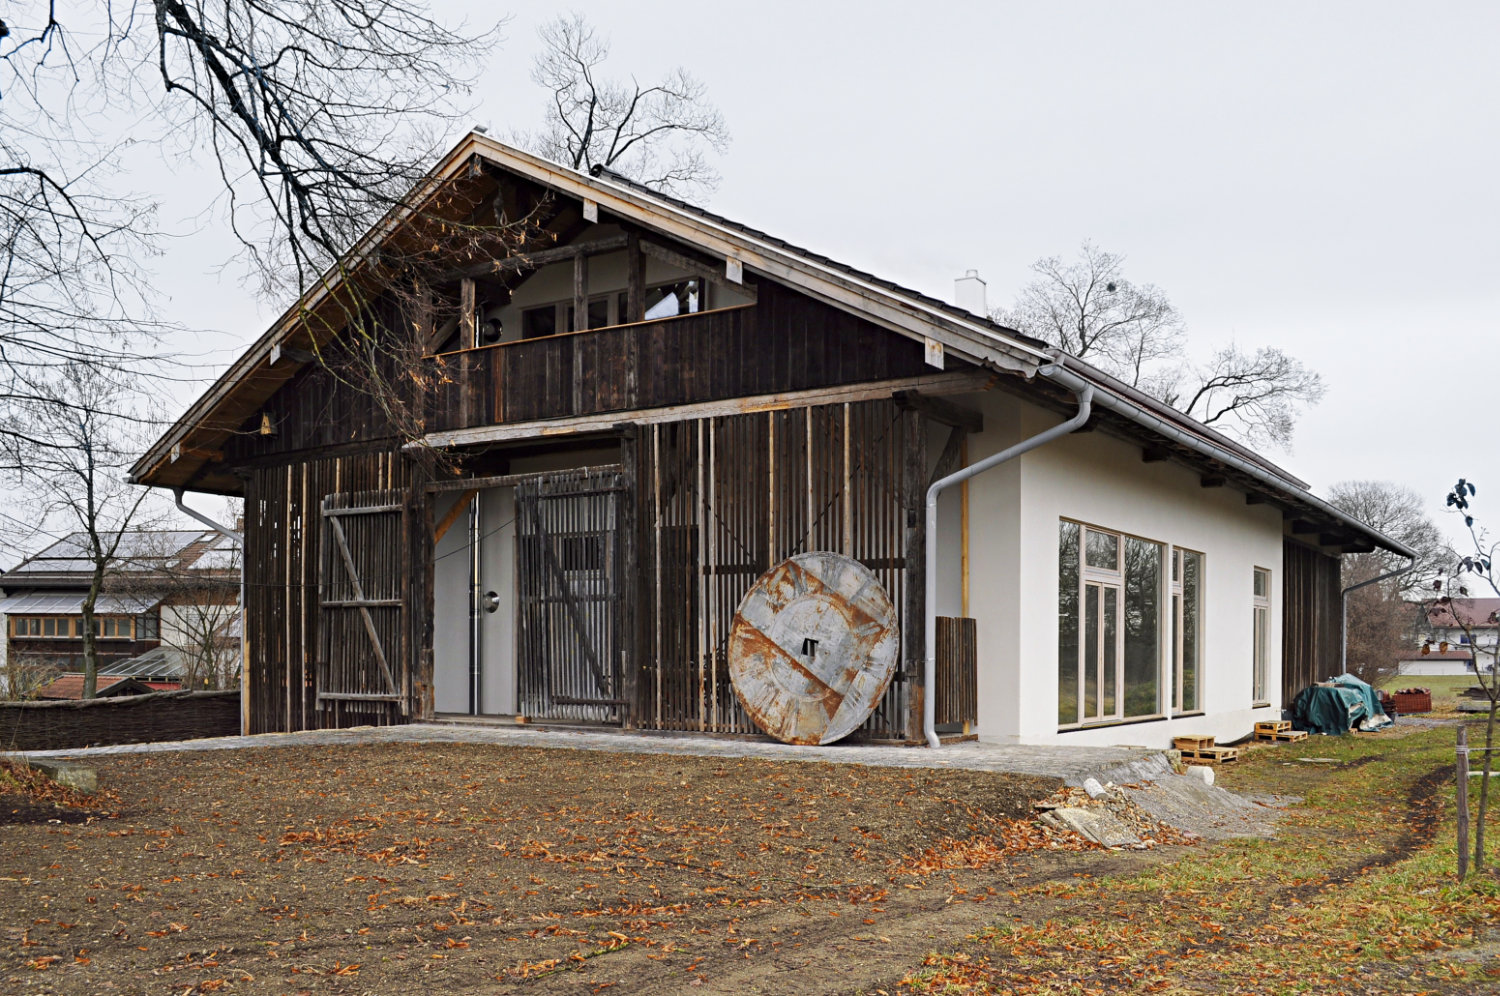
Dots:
pixel 540 258
pixel 696 267
pixel 1302 527
pixel 1151 454
pixel 948 462
pixel 452 516
pixel 940 410
pixel 1255 499
pixel 914 651
pixel 1211 481
pixel 950 383
pixel 1334 539
pixel 510 480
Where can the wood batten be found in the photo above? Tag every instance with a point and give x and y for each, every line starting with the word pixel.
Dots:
pixel 1212 481
pixel 1152 454
pixel 609 422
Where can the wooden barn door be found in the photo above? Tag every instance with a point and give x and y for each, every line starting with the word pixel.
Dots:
pixel 569 580
pixel 361 672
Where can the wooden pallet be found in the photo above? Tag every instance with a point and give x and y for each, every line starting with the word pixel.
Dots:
pixel 1273 726
pixel 1211 755
pixel 1281 737
pixel 1186 744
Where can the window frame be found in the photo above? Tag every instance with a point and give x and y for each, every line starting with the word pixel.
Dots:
pixel 1260 639
pixel 1111 580
pixel 1177 612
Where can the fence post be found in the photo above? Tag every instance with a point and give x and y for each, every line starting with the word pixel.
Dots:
pixel 1463 802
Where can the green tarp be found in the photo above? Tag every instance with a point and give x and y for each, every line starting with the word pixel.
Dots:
pixel 1338 706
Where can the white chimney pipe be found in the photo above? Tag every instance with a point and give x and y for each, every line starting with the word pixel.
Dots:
pixel 968 293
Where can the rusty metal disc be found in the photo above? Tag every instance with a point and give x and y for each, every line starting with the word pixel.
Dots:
pixel 813 647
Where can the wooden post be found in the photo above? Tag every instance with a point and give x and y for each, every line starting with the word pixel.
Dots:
pixel 468 322
pixel 635 292
pixel 1462 769
pixel 631 603
pixel 913 493
pixel 580 293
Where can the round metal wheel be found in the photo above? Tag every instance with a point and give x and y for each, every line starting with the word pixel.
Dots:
pixel 813 647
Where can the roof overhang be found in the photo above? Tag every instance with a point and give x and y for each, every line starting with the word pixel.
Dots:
pixel 176 458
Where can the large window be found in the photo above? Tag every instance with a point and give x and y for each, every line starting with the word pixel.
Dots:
pixel 1261 640
pixel 1109 625
pixel 1186 623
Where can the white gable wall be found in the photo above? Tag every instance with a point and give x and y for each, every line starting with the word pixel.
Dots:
pixel 1102 481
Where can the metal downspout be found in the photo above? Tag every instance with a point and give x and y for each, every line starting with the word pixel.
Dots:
pixel 476 695
pixel 224 530
pixel 1344 618
pixel 1084 393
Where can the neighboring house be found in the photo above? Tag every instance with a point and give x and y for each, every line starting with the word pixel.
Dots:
pixel 1437 662
pixel 165 588
pixel 623 430
pixel 1463 622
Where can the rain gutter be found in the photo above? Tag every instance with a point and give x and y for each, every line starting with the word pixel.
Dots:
pixel 1084 394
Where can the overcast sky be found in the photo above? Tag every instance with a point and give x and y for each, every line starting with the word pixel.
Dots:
pixel 1318 177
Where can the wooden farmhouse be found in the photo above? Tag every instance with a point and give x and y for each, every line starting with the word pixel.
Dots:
pixel 527 447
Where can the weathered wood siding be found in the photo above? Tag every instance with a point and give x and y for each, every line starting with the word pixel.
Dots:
pixel 785 342
pixel 722 500
pixel 283 544
pixel 1310 618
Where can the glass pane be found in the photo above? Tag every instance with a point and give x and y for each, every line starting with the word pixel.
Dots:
pixel 1142 626
pixel 1192 582
pixel 1067 623
pixel 1176 566
pixel 49 627
pixel 537 322
pixel 599 313
pixel 1174 640
pixel 1111 599
pixel 1091 652
pixel 1262 583
pixel 1104 550
pixel 1262 632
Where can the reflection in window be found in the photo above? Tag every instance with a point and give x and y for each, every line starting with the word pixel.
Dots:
pixel 1109 619
pixel 682 298
pixel 1187 607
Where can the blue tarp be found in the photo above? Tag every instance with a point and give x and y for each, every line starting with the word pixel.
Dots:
pixel 1337 706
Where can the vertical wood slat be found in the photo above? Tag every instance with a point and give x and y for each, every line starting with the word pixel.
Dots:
pixel 832 477
pixel 957 689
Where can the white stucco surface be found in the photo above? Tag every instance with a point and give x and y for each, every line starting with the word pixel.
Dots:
pixel 1102 481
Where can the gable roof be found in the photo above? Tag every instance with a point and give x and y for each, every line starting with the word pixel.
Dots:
pixel 1475 613
pixel 181 453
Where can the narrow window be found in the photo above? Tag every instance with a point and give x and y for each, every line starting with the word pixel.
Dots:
pixel 1142 625
pixel 1261 640
pixel 1186 609
pixel 1067 624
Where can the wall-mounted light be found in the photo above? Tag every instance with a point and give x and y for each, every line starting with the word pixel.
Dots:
pixel 267 427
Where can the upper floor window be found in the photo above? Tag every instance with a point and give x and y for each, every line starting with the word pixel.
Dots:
pixel 682 297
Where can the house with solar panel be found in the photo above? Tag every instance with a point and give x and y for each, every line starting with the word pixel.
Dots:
pixel 167 616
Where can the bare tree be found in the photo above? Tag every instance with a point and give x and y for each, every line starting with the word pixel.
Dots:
pixel 1478 567
pixel 1089 309
pixel 76 475
pixel 655 134
pixel 316 116
pixel 23 675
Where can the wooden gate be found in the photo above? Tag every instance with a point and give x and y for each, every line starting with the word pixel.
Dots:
pixel 361 673
pixel 569 579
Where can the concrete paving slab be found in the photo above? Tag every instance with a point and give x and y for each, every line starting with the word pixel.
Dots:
pixel 1070 764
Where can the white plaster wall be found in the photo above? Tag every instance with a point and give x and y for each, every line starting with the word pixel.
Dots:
pixel 1101 481
pixel 1427 667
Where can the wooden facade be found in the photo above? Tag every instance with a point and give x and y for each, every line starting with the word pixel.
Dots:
pixel 1311 617
pixel 340 531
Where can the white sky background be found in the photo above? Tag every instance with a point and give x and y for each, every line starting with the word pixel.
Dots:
pixel 1316 177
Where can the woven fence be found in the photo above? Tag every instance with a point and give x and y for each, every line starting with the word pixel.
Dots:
pixel 129 719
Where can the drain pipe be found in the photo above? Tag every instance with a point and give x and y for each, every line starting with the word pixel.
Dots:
pixel 1344 619
pixel 1084 394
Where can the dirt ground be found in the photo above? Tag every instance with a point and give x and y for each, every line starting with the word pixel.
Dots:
pixel 443 868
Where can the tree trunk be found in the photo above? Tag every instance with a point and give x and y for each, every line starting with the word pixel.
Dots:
pixel 90 645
